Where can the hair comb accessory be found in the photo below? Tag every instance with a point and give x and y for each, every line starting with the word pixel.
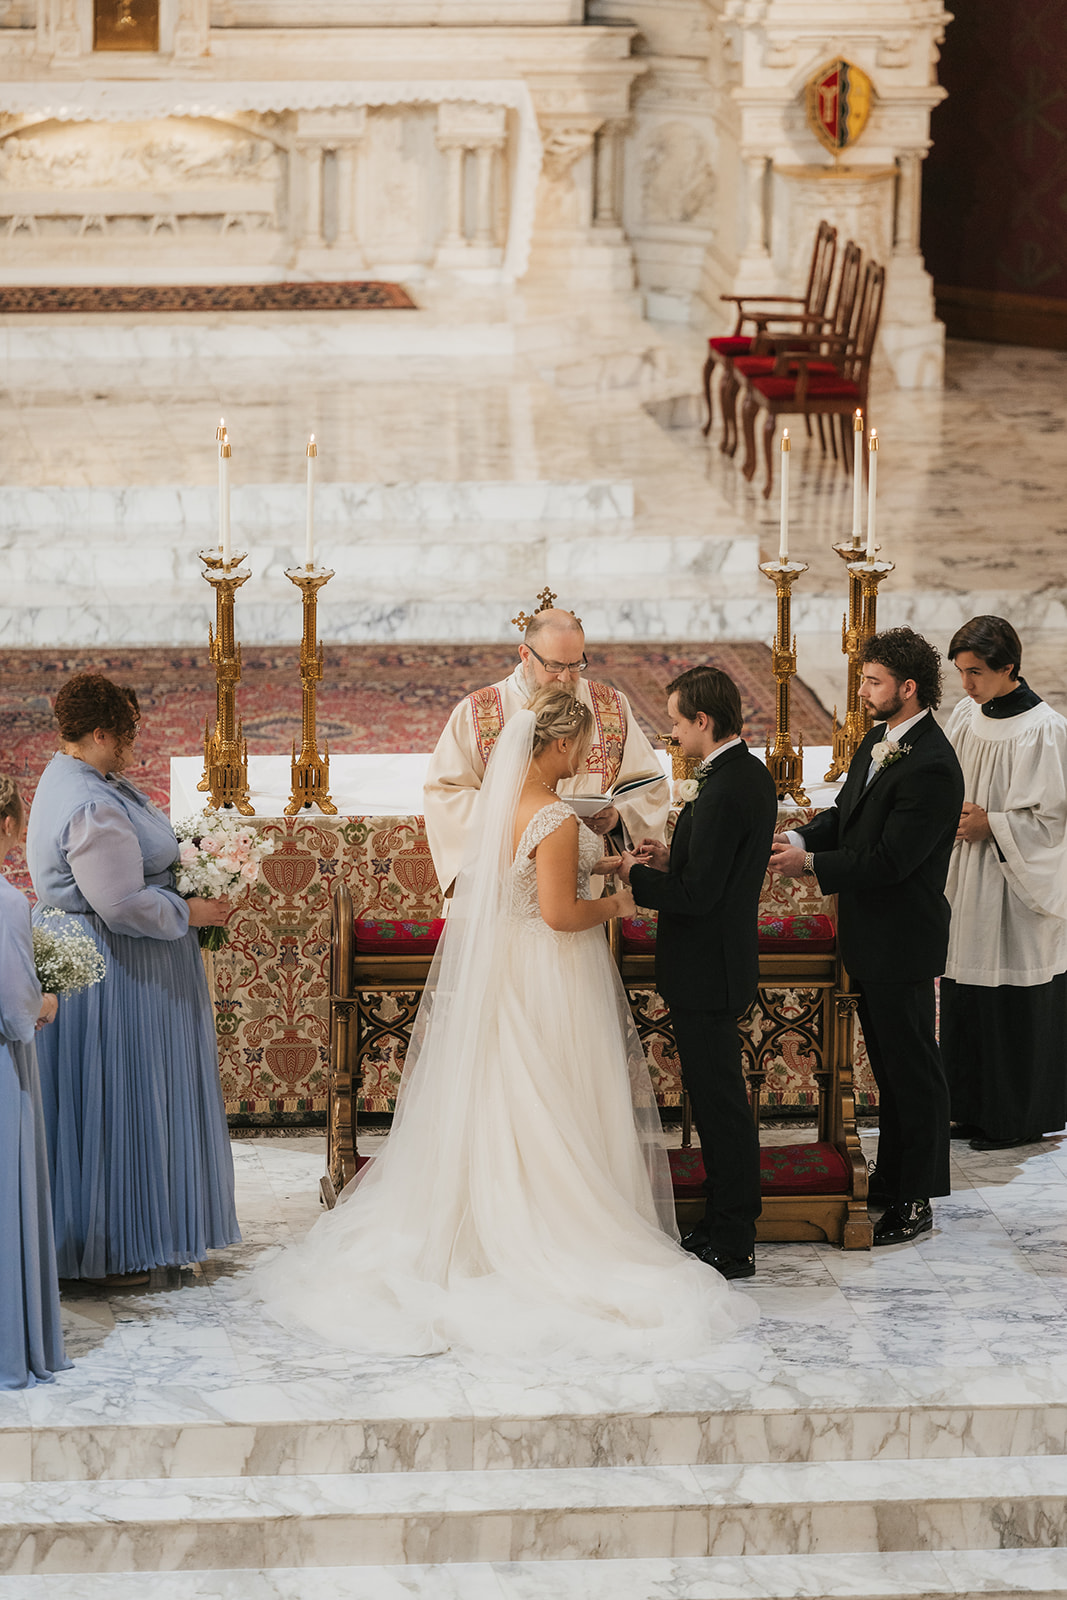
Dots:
pixel 548 600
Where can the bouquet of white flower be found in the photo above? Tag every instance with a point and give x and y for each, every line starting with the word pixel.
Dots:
pixel 66 960
pixel 217 854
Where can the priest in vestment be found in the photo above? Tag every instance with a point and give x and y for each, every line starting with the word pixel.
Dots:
pixel 1004 994
pixel 552 651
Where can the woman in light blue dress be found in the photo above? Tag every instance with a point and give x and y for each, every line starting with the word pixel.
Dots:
pixel 142 1174
pixel 31 1339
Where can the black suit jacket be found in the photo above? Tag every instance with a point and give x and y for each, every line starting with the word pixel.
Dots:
pixel 707 955
pixel 884 850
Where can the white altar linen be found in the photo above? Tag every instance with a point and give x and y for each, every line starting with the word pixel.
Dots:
pixel 389 785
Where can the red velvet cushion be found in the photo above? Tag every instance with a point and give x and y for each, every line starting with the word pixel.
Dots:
pixel 759 366
pixel 784 1169
pixel 398 938
pixel 813 935
pixel 819 388
pixel 732 346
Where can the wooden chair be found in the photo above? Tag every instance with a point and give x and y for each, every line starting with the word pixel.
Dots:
pixel 839 324
pixel 800 385
pixel 761 310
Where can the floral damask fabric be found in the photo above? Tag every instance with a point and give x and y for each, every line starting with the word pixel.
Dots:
pixel 272 982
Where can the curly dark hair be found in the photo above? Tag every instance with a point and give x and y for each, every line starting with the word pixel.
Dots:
pixel 906 654
pixel 993 640
pixel 89 701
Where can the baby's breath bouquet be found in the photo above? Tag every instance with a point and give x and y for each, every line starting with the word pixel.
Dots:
pixel 217 854
pixel 67 960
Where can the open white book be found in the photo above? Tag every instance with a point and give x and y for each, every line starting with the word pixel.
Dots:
pixel 587 805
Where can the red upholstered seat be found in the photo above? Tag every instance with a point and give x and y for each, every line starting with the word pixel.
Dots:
pixel 763 366
pixel 785 935
pixel 819 388
pixel 375 936
pixel 785 1169
pixel 730 346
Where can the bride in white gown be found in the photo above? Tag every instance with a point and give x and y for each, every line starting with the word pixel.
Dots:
pixel 522 1205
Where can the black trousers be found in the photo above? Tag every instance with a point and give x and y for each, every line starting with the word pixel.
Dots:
pixel 913 1105
pixel 709 1046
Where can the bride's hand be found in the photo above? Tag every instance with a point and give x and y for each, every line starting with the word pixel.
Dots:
pixel 607 866
pixel 625 906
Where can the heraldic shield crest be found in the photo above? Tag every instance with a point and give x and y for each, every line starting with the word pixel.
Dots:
pixel 838 101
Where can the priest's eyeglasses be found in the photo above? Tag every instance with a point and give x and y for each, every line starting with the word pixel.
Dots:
pixel 559 668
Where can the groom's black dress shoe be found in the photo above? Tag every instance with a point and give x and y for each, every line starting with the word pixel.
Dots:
pixel 728 1266
pixel 903 1220
pixel 697 1241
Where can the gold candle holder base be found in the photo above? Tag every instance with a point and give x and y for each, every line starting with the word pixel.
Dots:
pixel 225 752
pixel 311 772
pixel 785 765
pixel 848 734
pixel 870 575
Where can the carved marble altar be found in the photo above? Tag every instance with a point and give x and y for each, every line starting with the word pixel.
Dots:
pixel 446 141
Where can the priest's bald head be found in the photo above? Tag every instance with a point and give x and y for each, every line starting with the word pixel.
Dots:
pixel 553 648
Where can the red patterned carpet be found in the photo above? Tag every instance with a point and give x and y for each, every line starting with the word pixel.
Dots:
pixel 197 297
pixel 373 697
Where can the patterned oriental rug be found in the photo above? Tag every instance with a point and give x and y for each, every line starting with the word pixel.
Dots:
pixel 156 298
pixel 372 698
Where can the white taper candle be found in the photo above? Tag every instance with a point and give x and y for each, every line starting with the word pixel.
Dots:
pixel 857 478
pixel 220 434
pixel 224 469
pixel 783 537
pixel 309 548
pixel 872 491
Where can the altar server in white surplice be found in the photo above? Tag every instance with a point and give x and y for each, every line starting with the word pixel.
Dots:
pixel 1004 994
pixel 552 651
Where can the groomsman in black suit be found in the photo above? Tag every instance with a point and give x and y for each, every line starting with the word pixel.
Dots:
pixel 706 889
pixel 884 849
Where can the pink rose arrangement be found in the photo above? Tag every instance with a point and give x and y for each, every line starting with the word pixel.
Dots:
pixel 217 855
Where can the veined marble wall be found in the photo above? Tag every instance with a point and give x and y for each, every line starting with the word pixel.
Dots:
pixel 478 139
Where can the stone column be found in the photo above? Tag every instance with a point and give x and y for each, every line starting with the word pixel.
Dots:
pixel 309 230
pixel 455 236
pixel 755 228
pixel 485 156
pixel 606 199
pixel 465 127
pixel 909 203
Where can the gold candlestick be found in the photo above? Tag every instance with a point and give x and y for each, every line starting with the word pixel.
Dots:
pixel 848 734
pixel 785 765
pixel 870 574
pixel 225 752
pixel 311 772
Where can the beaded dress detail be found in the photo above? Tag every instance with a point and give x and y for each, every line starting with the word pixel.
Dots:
pixel 524 902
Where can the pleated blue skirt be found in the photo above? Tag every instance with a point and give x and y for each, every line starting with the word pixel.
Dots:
pixel 31 1339
pixel 138 1148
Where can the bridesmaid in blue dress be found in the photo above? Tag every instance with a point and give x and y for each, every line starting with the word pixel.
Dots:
pixel 142 1174
pixel 31 1339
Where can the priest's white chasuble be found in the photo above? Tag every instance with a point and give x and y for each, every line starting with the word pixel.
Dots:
pixel 619 753
pixel 1009 916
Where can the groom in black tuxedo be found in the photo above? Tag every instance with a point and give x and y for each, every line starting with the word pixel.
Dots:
pixel 707 889
pixel 884 849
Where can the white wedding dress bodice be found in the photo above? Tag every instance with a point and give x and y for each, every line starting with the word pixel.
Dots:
pixel 524 902
pixel 522 1205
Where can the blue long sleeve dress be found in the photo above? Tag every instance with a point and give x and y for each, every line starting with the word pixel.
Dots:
pixel 142 1174
pixel 31 1338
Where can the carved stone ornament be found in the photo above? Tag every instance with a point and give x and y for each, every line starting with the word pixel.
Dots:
pixel 838 103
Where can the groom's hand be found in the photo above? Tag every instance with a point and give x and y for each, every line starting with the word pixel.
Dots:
pixel 651 853
pixel 786 859
pixel 626 860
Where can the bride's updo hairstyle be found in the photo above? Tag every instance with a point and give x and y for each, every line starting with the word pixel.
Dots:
pixel 10 800
pixel 560 715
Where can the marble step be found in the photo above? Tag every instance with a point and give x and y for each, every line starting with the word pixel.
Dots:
pixel 891 1575
pixel 560 1514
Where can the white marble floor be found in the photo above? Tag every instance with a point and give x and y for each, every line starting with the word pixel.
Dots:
pixel 471 454
pixel 894 1426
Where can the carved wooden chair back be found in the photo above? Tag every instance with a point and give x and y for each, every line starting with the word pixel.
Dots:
pixel 860 349
pixel 821 271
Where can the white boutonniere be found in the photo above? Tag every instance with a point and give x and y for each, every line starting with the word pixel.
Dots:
pixel 886 751
pixel 686 791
